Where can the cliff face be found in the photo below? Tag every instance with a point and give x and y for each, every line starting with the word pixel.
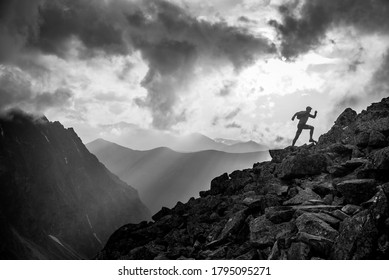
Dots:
pixel 56 199
pixel 328 201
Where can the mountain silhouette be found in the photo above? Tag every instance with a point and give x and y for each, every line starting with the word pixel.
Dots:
pixel 164 176
pixel 57 201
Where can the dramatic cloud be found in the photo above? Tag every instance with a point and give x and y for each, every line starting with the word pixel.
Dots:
pixel 18 23
pixel 305 23
pixel 17 91
pixel 170 41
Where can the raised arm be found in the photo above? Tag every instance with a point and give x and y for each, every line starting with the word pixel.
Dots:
pixel 314 115
pixel 294 116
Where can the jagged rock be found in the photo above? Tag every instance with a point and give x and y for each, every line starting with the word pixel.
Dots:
pixel 250 255
pixel 320 245
pixel 263 232
pixel 323 188
pixel 340 130
pixel 254 201
pixel 332 221
pixel 377 139
pixel 279 214
pixel 357 238
pixel 299 251
pixel 233 224
pixel 347 167
pixel 220 184
pixel 340 215
pixel 328 199
pixel 358 190
pixel 380 159
pixel 379 208
pixel 300 209
pixel 351 209
pixel 362 139
pixel 163 212
pixel 278 189
pixel 338 201
pixel 302 196
pixel 311 224
pixel 302 165
pixel 161 256
pixel 279 155
pixel 218 254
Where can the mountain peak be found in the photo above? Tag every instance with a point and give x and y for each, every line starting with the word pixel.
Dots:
pixel 56 198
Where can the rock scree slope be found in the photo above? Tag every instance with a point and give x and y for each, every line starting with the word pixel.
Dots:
pixel 324 201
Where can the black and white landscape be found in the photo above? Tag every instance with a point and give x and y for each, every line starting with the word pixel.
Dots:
pixel 162 129
pixel 164 176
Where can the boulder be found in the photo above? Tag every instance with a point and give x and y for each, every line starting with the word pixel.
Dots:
pixel 358 190
pixel 162 213
pixel 319 245
pixel 233 224
pixel 351 209
pixel 380 159
pixel 362 139
pixel 263 232
pixel 377 139
pixel 220 184
pixel 311 224
pixel 299 251
pixel 279 214
pixel 302 196
pixel 357 238
pixel 340 214
pixel 332 221
pixel 278 155
pixel 302 165
pixel 323 188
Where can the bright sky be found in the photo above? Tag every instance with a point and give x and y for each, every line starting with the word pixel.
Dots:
pixel 190 69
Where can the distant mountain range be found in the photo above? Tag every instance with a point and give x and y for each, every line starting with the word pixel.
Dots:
pixel 163 176
pixel 57 201
pixel 136 138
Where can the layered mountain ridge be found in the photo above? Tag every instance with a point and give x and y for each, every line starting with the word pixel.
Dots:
pixel 57 201
pixel 164 176
pixel 324 201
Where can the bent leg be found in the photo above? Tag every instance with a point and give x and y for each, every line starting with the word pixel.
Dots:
pixel 298 132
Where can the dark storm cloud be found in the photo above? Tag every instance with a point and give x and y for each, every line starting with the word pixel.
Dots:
pixel 169 39
pixel 16 91
pixel 18 22
pixel 305 23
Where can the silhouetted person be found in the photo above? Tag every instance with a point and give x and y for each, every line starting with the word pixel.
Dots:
pixel 303 117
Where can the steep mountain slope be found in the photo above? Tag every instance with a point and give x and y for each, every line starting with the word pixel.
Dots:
pixel 328 201
pixel 57 201
pixel 164 176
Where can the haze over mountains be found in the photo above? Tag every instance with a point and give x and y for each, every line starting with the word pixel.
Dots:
pixel 163 176
pixel 134 137
pixel 57 201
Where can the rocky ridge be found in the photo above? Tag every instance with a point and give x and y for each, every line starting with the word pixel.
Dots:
pixel 57 201
pixel 324 201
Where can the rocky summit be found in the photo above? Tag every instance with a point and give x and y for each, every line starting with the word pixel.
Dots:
pixel 324 201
